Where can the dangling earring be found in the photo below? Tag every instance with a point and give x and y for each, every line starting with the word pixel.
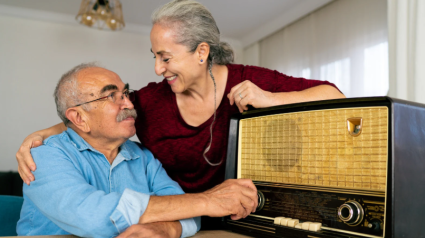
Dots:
pixel 202 60
pixel 215 115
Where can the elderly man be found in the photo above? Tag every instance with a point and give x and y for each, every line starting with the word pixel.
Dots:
pixel 92 181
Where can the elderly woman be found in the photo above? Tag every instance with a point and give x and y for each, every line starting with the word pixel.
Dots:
pixel 184 119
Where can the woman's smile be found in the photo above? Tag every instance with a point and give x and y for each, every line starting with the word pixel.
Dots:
pixel 171 79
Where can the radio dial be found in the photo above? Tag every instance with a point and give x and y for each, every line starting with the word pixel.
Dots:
pixel 351 213
pixel 261 200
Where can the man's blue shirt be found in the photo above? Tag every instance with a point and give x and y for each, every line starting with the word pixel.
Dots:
pixel 77 191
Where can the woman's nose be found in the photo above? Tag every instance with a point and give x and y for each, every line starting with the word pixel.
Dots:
pixel 159 67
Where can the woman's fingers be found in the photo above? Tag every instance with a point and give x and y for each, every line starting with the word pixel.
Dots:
pixel 243 98
pixel 23 176
pixel 233 92
pixel 247 93
pixel 25 161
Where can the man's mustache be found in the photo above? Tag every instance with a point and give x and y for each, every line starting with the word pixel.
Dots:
pixel 126 113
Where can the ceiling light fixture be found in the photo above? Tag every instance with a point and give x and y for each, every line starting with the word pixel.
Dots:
pixel 101 13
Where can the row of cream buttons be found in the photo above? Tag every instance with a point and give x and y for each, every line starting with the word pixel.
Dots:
pixel 310 226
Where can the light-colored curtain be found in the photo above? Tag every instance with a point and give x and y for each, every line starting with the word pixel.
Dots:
pixel 406 31
pixel 344 42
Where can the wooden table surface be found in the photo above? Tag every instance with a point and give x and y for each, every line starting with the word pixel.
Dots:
pixel 201 234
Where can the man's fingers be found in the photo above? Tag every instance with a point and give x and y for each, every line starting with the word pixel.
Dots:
pixel 250 191
pixel 130 232
pixel 247 183
pixel 251 199
pixel 248 203
pixel 239 214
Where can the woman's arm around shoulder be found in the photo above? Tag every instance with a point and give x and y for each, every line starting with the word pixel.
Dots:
pixel 23 156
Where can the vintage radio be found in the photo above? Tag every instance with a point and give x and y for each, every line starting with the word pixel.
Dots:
pixel 337 168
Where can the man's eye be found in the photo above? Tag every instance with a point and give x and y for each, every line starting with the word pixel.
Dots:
pixel 154 57
pixel 165 60
pixel 112 95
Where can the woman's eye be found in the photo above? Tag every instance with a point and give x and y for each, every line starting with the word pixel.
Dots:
pixel 154 57
pixel 165 60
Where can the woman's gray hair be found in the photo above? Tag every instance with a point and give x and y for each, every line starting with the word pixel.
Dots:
pixel 67 93
pixel 193 24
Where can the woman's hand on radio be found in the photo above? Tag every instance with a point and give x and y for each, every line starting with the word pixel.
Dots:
pixel 234 197
pixel 247 93
pixel 23 156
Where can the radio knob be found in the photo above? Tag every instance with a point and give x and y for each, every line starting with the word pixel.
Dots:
pixel 375 225
pixel 351 213
pixel 261 201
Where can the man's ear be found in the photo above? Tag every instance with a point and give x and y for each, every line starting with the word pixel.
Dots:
pixel 78 117
pixel 203 51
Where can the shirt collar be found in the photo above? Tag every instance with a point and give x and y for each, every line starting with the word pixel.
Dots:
pixel 127 153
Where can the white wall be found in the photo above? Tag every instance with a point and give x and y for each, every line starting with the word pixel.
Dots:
pixel 33 56
pixel 344 42
pixel 251 55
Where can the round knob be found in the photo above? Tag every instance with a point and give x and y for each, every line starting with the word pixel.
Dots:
pixel 261 200
pixel 375 225
pixel 351 213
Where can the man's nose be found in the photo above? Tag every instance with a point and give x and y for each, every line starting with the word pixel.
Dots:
pixel 126 103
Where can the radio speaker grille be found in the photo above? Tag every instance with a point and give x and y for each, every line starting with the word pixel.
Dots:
pixel 316 148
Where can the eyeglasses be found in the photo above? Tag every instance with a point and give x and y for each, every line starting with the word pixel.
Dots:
pixel 116 97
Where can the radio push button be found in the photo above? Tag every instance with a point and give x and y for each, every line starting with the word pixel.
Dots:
pixel 277 220
pixel 299 226
pixel 315 226
pixel 305 225
pixel 293 222
pixel 284 221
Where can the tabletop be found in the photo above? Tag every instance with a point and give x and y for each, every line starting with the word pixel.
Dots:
pixel 201 234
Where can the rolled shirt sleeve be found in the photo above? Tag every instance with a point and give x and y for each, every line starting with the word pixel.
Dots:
pixel 133 204
pixel 130 208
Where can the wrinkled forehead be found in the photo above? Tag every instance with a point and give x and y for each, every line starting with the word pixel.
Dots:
pixel 98 80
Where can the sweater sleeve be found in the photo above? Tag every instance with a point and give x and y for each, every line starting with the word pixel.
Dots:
pixel 274 81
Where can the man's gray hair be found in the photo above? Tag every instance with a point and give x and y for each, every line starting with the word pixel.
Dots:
pixel 67 93
pixel 193 24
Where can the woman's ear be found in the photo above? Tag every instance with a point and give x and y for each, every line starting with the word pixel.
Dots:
pixel 78 118
pixel 203 52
